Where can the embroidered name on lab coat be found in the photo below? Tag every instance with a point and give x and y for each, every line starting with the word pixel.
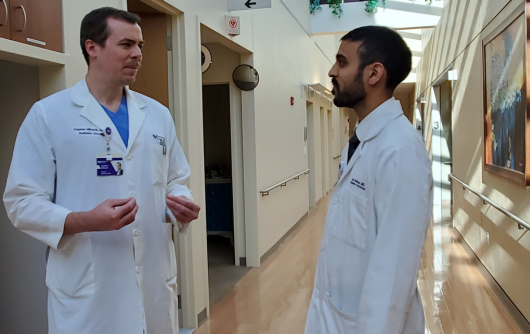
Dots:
pixel 358 184
pixel 88 131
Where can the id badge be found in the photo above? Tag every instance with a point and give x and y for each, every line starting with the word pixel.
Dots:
pixel 109 164
pixel 342 165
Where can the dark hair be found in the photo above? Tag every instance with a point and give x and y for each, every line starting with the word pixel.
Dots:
pixel 385 46
pixel 94 25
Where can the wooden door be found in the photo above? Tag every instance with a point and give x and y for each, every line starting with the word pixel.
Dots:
pixel 5 26
pixel 38 23
pixel 152 78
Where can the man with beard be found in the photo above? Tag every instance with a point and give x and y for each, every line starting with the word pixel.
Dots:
pixel 381 207
pixel 111 266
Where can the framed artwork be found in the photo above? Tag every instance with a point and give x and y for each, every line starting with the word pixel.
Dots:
pixel 505 100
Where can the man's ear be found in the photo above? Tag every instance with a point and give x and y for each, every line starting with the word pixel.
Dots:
pixel 376 73
pixel 91 48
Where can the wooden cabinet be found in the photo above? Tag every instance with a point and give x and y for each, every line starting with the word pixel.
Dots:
pixel 34 22
pixel 5 23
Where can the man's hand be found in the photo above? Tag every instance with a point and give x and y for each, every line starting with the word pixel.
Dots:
pixel 111 215
pixel 182 208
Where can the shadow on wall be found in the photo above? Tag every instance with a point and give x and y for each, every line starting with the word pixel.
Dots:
pixel 506 251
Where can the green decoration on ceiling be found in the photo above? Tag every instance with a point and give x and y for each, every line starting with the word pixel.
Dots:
pixel 337 8
pixel 371 5
pixel 314 5
pixel 335 5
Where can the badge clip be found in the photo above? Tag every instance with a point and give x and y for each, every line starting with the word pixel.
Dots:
pixel 164 147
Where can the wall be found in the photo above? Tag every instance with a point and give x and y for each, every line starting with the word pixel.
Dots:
pixel 22 258
pixel 457 43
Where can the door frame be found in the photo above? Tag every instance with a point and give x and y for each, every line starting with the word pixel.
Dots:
pixel 442 166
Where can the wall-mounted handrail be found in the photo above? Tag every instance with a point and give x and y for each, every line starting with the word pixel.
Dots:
pixel 522 223
pixel 283 183
pixel 337 156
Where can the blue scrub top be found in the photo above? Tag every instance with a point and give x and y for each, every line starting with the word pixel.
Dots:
pixel 120 119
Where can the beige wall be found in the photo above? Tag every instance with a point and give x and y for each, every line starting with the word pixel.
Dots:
pixel 457 42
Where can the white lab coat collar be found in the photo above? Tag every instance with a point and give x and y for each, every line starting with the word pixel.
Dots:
pixel 378 119
pixel 370 127
pixel 93 111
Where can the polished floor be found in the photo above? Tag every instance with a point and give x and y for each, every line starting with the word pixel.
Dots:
pixel 275 297
pixel 223 274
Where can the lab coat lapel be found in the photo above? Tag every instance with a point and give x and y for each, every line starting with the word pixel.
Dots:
pixel 93 112
pixel 135 106
pixel 351 163
pixel 372 125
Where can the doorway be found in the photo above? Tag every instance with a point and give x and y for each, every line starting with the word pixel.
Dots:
pixel 442 149
pixel 311 155
pixel 332 172
pixel 223 270
pixel 324 152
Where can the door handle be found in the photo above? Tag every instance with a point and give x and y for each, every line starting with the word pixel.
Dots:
pixel 7 13
pixel 25 18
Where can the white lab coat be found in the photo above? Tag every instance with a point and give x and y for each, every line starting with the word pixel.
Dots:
pixel 375 228
pixel 119 282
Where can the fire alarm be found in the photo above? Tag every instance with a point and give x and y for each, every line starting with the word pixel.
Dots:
pixel 292 101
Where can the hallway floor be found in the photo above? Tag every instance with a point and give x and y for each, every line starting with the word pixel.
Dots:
pixel 275 297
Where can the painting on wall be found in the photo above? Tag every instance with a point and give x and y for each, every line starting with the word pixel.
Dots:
pixel 504 54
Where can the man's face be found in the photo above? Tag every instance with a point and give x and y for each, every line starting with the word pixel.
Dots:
pixel 347 79
pixel 121 57
pixel 119 166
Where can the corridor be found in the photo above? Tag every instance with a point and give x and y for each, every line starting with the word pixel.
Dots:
pixel 275 297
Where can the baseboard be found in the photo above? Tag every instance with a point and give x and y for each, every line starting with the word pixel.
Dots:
pixel 282 239
pixel 501 294
pixel 186 331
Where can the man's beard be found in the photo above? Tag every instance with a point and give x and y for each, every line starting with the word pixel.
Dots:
pixel 351 95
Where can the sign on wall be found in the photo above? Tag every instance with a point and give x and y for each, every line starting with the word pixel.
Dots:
pixel 232 25
pixel 248 4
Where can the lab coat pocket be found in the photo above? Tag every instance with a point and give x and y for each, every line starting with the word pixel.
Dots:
pixel 352 227
pixel 334 320
pixel 159 164
pixel 171 270
pixel 70 272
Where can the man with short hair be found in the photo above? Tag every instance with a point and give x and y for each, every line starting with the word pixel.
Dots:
pixel 111 267
pixel 382 204
pixel 119 171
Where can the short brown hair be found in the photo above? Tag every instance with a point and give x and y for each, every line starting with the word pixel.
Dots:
pixel 95 28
